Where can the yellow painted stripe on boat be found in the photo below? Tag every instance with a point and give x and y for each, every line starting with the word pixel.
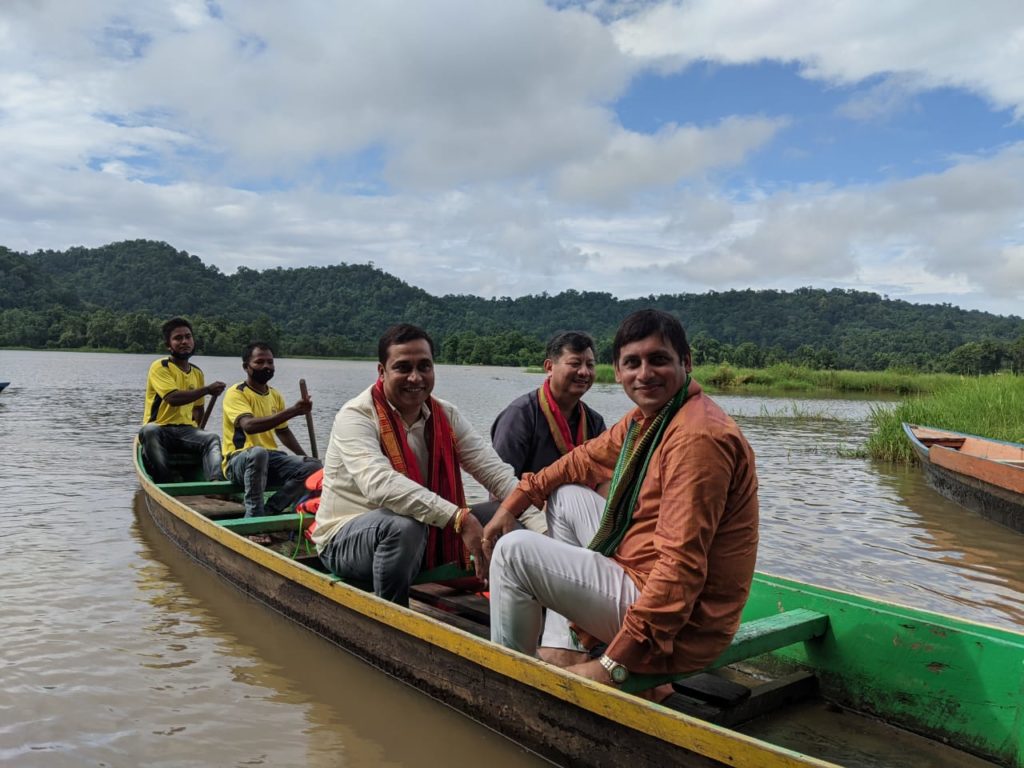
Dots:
pixel 716 742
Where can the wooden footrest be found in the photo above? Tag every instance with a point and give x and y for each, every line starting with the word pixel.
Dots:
pixel 709 687
pixel 745 703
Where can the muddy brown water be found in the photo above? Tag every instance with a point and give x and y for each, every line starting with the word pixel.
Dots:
pixel 117 650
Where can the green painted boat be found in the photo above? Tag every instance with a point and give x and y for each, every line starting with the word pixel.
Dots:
pixel 809 667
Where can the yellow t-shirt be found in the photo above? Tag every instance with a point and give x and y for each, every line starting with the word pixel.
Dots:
pixel 242 400
pixel 166 377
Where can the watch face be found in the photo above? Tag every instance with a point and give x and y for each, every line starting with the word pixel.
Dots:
pixel 619 674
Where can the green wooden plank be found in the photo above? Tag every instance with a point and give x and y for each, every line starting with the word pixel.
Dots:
pixel 752 639
pixel 266 523
pixel 204 488
pixel 771 633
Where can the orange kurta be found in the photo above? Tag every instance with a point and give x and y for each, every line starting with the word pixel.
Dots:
pixel 692 544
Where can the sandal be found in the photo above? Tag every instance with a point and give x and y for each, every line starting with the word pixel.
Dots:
pixel 260 538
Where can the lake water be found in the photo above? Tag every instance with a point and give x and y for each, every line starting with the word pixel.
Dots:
pixel 118 650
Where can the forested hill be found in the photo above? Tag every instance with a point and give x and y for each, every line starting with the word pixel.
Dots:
pixel 114 296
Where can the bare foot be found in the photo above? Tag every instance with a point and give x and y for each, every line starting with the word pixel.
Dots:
pixel 561 657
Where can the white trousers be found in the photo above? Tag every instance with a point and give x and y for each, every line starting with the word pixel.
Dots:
pixel 530 571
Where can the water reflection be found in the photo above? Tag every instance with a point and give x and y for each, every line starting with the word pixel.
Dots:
pixel 325 705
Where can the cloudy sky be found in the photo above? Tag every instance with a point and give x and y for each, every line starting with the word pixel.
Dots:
pixel 503 148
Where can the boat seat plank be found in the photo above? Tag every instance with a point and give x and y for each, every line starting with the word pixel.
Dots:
pixel 752 639
pixel 944 442
pixel 267 523
pixel 201 488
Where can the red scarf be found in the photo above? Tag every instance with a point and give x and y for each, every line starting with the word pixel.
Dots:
pixel 443 544
pixel 557 423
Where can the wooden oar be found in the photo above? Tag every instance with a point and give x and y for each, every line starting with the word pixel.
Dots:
pixel 309 420
pixel 208 411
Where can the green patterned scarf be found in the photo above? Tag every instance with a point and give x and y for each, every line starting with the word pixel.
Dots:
pixel 630 470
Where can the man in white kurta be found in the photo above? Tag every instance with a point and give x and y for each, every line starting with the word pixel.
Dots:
pixel 372 524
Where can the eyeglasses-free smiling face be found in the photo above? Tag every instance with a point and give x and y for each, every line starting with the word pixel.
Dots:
pixel 572 373
pixel 651 372
pixel 408 377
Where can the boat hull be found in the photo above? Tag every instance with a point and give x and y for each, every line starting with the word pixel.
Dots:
pixel 955 681
pixel 561 717
pixel 976 475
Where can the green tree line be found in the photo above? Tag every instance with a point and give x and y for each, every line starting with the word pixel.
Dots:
pixel 115 296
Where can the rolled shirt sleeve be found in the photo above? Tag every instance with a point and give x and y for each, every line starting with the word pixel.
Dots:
pixel 588 464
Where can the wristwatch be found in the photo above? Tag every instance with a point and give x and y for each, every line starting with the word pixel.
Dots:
pixel 618 673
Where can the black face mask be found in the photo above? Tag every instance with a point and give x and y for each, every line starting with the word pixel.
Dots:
pixel 262 375
pixel 182 356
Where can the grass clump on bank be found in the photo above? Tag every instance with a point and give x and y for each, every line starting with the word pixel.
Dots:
pixel 989 406
pixel 792 378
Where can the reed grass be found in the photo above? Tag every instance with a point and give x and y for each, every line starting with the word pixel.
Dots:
pixel 797 411
pixel 990 406
pixel 792 378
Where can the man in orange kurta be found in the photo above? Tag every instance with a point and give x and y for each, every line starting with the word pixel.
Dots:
pixel 661 571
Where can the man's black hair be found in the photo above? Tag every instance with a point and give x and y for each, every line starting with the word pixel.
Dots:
pixel 170 325
pixel 251 347
pixel 647 322
pixel 572 341
pixel 402 333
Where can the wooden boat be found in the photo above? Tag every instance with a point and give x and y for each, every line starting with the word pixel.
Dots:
pixel 979 473
pixel 802 651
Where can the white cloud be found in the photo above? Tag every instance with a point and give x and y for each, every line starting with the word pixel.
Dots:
pixel 929 44
pixel 961 227
pixel 455 91
pixel 881 101
pixel 633 162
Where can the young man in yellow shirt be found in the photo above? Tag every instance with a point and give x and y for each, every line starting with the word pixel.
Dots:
pixel 175 393
pixel 254 415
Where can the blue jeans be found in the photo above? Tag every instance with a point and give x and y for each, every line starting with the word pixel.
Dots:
pixel 385 549
pixel 256 467
pixel 160 441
